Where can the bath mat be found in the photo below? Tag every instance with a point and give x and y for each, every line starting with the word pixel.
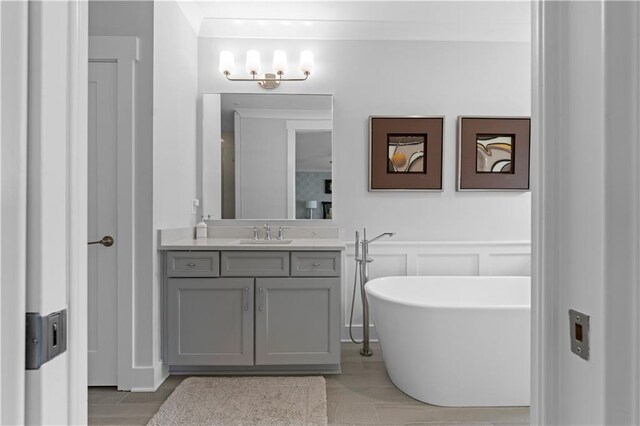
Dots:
pixel 243 401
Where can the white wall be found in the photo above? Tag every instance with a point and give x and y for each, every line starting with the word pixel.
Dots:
pixel 175 95
pixel 261 153
pixel 396 78
pixel 587 205
pixel 165 153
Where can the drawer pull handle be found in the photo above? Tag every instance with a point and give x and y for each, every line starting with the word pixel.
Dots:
pixel 315 265
pixel 246 298
pixel 260 307
pixel 191 265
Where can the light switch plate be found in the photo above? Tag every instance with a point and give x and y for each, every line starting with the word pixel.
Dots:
pixel 579 332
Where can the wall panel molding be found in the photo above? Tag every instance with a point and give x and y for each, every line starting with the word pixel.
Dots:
pixel 430 258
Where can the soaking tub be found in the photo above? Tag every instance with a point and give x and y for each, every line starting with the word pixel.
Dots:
pixel 455 341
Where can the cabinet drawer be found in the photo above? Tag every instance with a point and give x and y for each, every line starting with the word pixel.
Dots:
pixel 255 264
pixel 190 264
pixel 315 264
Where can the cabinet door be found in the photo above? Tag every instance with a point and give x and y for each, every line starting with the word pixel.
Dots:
pixel 210 321
pixel 297 321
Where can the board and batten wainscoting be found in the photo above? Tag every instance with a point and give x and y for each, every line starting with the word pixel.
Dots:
pixel 431 258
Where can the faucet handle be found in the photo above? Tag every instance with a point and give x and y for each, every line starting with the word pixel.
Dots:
pixel 255 231
pixel 281 232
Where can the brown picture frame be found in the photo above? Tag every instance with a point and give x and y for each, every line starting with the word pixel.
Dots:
pixel 517 176
pixel 381 128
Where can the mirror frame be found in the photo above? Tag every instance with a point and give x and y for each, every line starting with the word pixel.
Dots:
pixel 207 175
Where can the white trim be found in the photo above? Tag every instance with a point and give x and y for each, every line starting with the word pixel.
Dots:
pixel 537 218
pixel 637 295
pixel 77 216
pixel 123 51
pixel 13 208
pixel 419 258
pixel 286 114
pixel 294 126
pixel 237 142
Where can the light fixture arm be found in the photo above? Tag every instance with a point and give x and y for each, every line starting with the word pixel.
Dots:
pixel 277 79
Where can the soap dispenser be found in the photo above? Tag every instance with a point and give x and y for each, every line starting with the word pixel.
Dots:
pixel 201 230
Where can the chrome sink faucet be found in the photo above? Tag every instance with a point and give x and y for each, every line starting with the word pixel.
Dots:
pixel 281 232
pixel 267 232
pixel 255 232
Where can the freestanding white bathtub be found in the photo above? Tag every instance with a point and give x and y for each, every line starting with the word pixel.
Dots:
pixel 455 341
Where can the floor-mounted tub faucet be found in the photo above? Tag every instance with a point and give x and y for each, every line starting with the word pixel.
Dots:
pixel 362 263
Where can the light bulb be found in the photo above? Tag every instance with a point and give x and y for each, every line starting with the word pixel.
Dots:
pixel 253 62
pixel 306 61
pixel 280 65
pixel 227 62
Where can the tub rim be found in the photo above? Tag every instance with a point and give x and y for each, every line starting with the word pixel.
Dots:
pixel 446 306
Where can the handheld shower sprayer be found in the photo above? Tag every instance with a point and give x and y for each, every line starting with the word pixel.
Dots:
pixel 362 261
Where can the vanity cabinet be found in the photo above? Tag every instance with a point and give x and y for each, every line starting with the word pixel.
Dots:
pixel 252 309
pixel 297 321
pixel 210 321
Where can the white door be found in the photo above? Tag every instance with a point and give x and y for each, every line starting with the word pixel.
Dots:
pixel 102 222
pixel 56 263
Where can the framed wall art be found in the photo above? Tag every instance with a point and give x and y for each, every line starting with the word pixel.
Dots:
pixel 493 153
pixel 405 153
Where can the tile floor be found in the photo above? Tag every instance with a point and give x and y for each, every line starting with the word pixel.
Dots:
pixel 362 394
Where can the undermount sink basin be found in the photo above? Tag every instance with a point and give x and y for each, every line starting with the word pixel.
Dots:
pixel 265 241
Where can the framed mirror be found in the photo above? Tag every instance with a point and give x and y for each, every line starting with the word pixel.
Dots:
pixel 267 156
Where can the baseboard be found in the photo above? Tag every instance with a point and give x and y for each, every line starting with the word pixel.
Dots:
pixel 357 333
pixel 149 379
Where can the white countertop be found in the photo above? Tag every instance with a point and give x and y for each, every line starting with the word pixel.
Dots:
pixel 309 244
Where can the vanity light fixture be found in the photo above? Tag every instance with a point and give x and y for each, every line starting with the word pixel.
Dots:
pixel 271 80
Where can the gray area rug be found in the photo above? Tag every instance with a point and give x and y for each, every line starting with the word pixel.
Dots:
pixel 246 401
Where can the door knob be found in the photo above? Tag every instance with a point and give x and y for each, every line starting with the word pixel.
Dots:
pixel 106 241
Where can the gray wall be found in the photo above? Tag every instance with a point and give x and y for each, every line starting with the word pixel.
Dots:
pixel 401 78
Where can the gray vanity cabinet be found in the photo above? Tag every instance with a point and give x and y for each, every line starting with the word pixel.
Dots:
pixel 211 321
pixel 297 321
pixel 253 310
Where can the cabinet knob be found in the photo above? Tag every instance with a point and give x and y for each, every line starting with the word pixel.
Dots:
pixel 315 265
pixel 191 265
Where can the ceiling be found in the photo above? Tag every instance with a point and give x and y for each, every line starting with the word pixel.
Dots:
pixel 506 21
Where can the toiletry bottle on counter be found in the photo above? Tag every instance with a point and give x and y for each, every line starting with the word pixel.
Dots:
pixel 201 230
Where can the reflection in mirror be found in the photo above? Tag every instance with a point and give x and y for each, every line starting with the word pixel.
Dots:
pixel 274 156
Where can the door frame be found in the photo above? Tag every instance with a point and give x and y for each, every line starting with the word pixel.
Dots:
pixel 77 212
pixel 294 127
pixel 549 326
pixel 13 208
pixel 124 51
